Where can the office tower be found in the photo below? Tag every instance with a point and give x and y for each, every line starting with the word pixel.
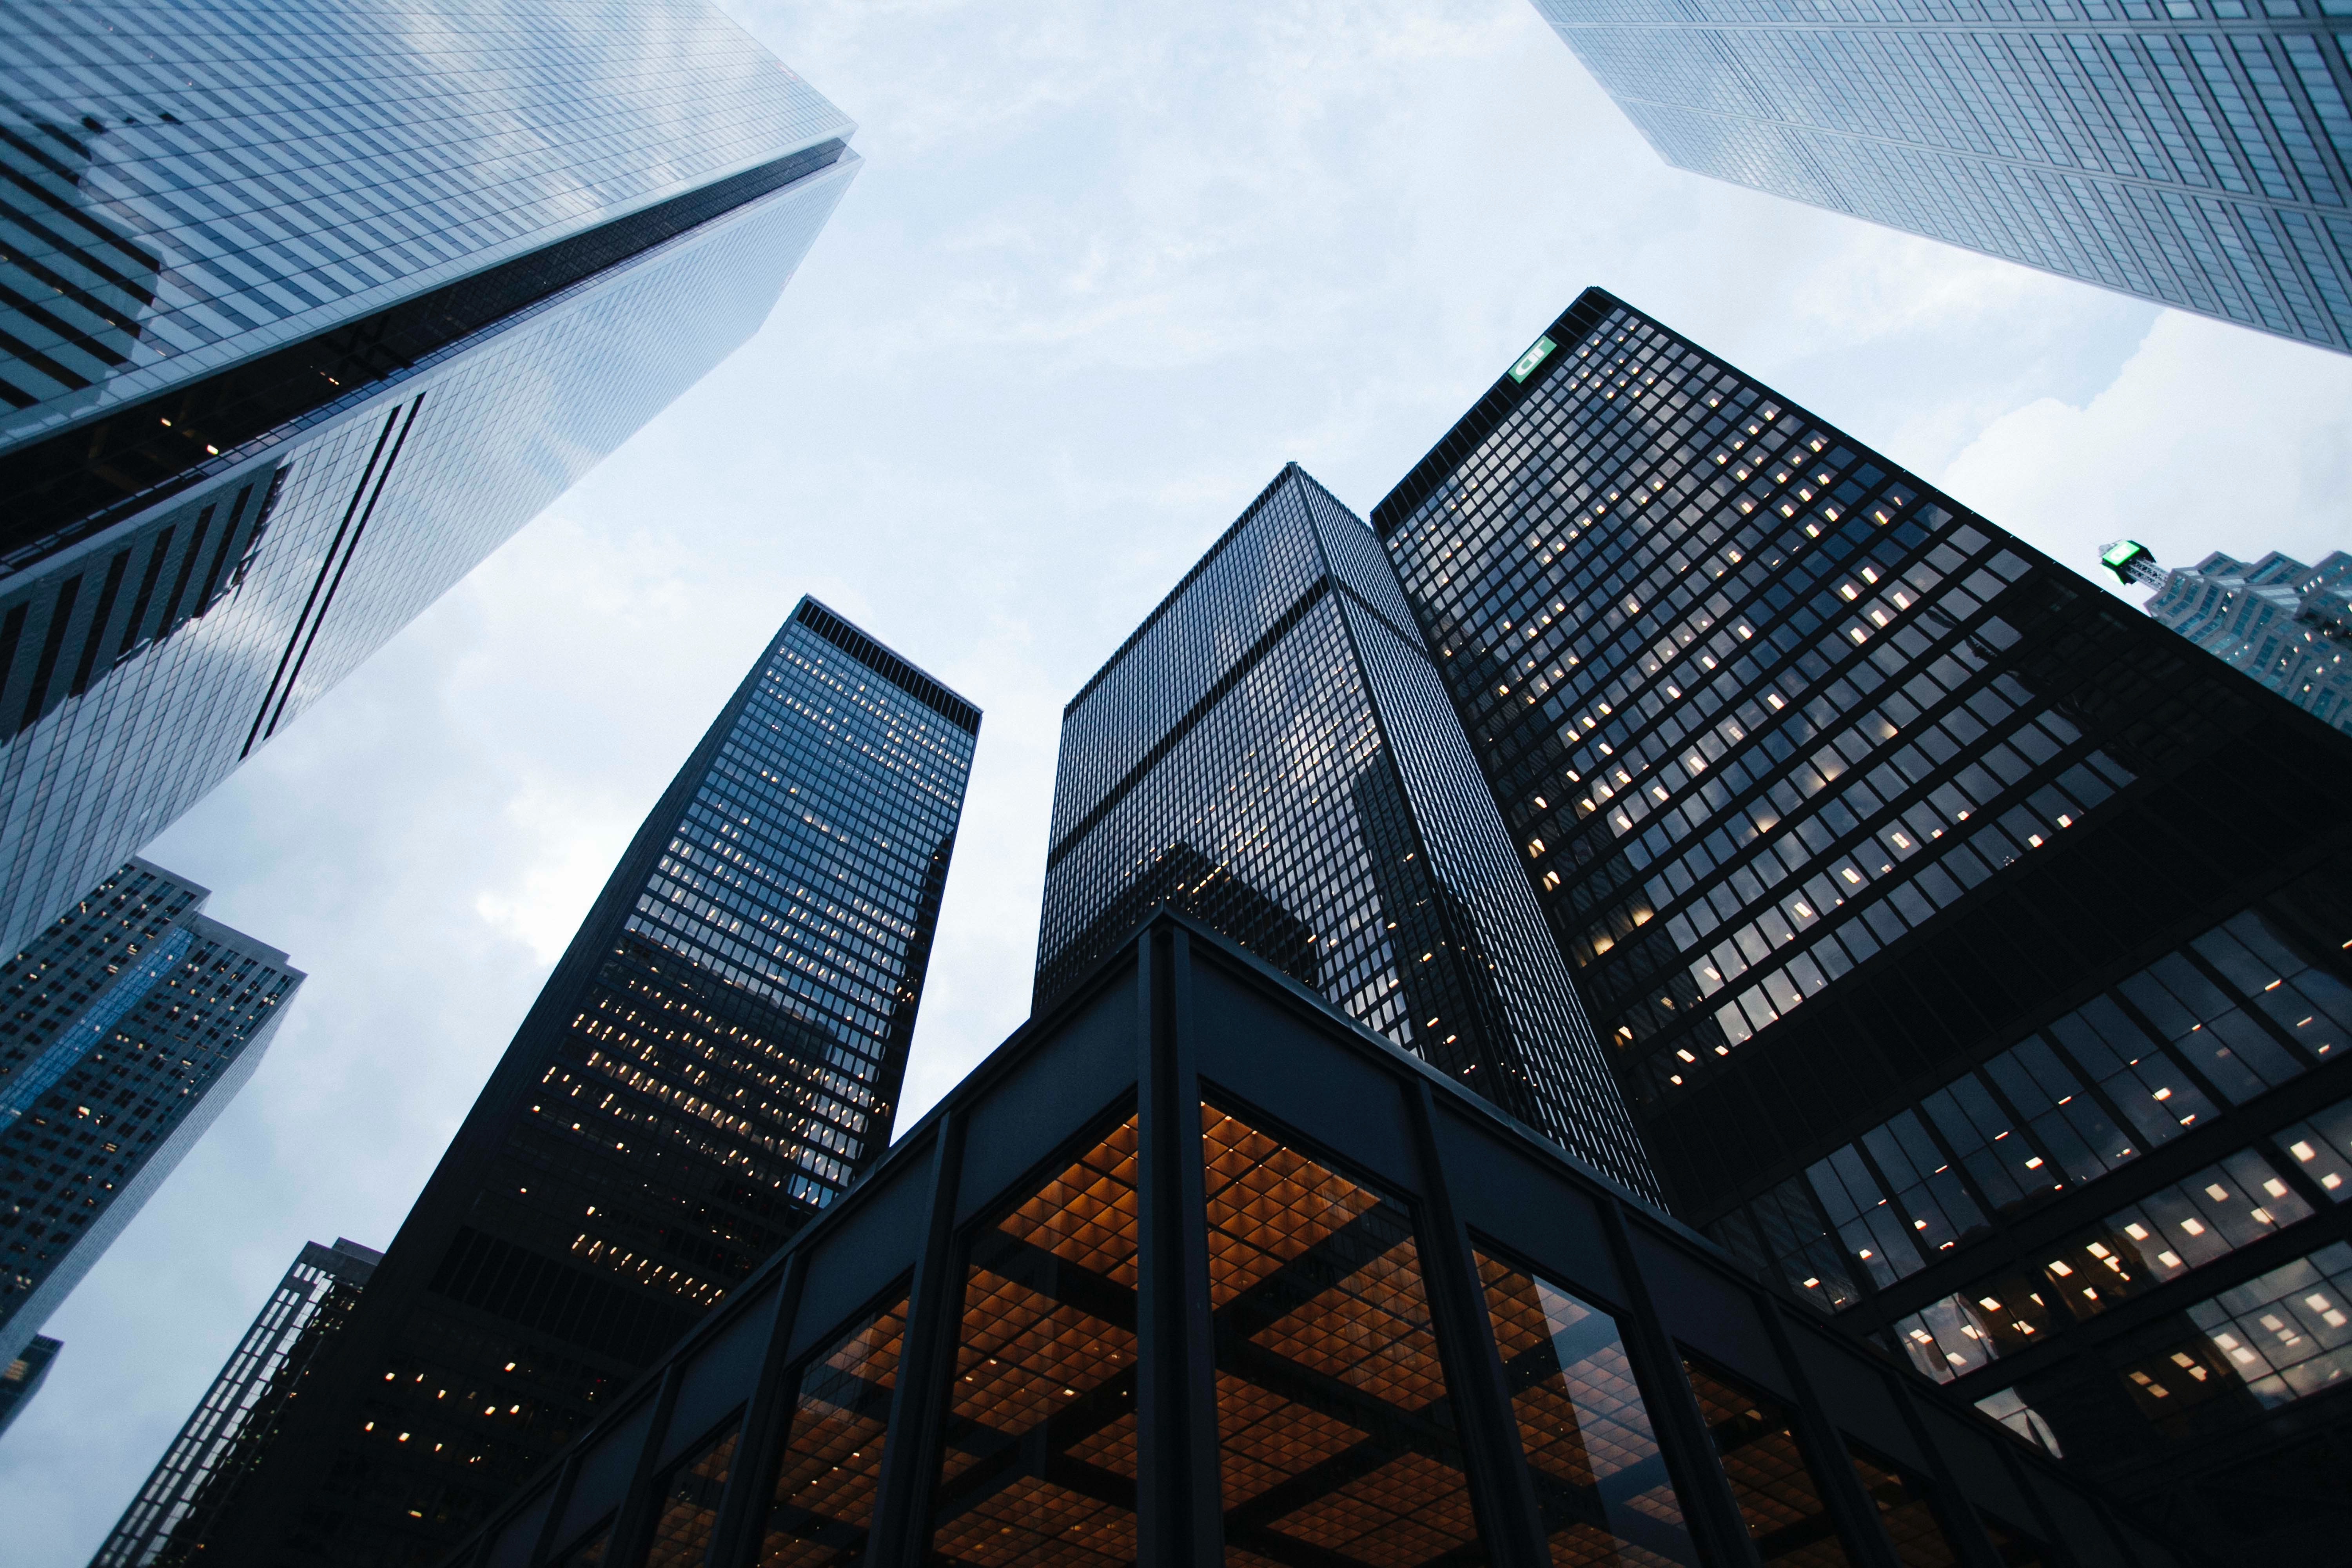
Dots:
pixel 22 1378
pixel 125 1030
pixel 1972 950
pixel 304 311
pixel 2194 152
pixel 716 1057
pixel 1197 1273
pixel 2287 625
pixel 197 1482
pixel 1271 752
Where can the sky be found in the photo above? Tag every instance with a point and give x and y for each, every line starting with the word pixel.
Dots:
pixel 1107 268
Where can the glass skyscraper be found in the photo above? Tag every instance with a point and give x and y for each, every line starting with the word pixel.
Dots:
pixel 124 1031
pixel 2195 153
pixel 1272 753
pixel 200 1475
pixel 1975 952
pixel 716 1057
pixel 22 1377
pixel 2287 625
pixel 304 309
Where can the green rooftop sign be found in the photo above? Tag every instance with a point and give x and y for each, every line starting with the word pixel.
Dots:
pixel 1538 352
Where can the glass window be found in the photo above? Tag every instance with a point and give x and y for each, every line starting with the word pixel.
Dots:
pixel 1599 1476
pixel 2012 1546
pixel 1335 1438
pixel 1905 1510
pixel 2273 1340
pixel 2009 1408
pixel 1039 1463
pixel 690 1503
pixel 1777 1492
pixel 2132 1071
pixel 823 1502
pixel 589 1554
pixel 2323 1148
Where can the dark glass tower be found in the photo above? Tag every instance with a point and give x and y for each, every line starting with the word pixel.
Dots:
pixel 2194 152
pixel 1972 949
pixel 22 1377
pixel 1272 753
pixel 197 1481
pixel 124 1031
pixel 716 1057
pixel 305 312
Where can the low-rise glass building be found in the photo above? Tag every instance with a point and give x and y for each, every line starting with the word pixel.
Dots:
pixel 1195 1269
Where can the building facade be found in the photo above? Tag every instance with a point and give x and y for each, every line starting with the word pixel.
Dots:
pixel 1196 1271
pixel 196 1483
pixel 1272 753
pixel 305 311
pixel 2194 152
pixel 716 1057
pixel 22 1378
pixel 1973 950
pixel 125 1029
pixel 2287 625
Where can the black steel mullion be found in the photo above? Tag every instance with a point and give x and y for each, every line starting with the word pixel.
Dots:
pixel 1819 1440
pixel 1501 1486
pixel 1961 1526
pixel 1179 1507
pixel 902 1514
pixel 558 1497
pixel 766 1418
pixel 633 1521
pixel 1716 1524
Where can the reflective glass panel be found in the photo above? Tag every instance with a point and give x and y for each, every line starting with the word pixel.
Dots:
pixel 2013 1546
pixel 823 1502
pixel 1337 1441
pixel 690 1503
pixel 1601 1478
pixel 1905 1509
pixel 1778 1494
pixel 1039 1463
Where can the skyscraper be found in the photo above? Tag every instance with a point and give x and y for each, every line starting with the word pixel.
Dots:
pixel 1973 950
pixel 716 1057
pixel 124 1031
pixel 198 1480
pixel 2194 152
pixel 1272 753
pixel 2287 625
pixel 306 309
pixel 22 1377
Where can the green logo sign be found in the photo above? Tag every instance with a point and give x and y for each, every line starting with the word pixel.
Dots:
pixel 1537 354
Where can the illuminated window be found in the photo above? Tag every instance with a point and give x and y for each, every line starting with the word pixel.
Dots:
pixel 1335 1433
pixel 1600 1476
pixel 1905 1509
pixel 1777 1492
pixel 823 1502
pixel 1040 1457
pixel 690 1505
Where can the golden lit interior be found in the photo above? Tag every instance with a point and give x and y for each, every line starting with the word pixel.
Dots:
pixel 690 1505
pixel 1600 1478
pixel 1906 1512
pixel 824 1502
pixel 1777 1493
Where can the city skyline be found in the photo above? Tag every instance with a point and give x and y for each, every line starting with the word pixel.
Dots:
pixel 796 495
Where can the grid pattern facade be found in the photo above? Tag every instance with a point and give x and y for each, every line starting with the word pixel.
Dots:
pixel 199 1475
pixel 2287 625
pixel 130 1024
pixel 187 189
pixel 1273 753
pixel 2194 152
pixel 1967 944
pixel 716 1058
pixel 1231 1282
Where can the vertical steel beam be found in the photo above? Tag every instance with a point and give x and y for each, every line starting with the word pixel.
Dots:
pixel 558 1497
pixel 1952 1505
pixel 1708 1506
pixel 633 1521
pixel 902 1501
pixel 767 1422
pixel 1180 1520
pixel 1501 1490
pixel 1850 1507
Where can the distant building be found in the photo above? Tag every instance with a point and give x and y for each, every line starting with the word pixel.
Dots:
pixel 306 310
pixel 124 1031
pixel 1272 753
pixel 2287 625
pixel 1975 953
pixel 2192 153
pixel 22 1378
pixel 201 1476
pixel 717 1056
